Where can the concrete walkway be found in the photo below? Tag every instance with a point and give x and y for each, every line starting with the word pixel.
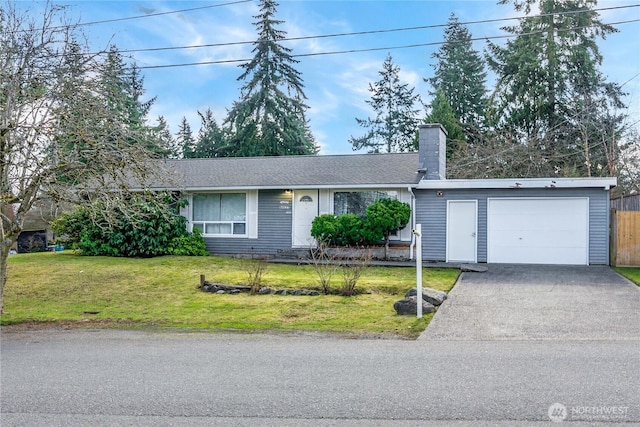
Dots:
pixel 525 302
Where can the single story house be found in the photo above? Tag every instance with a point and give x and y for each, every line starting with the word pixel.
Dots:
pixel 265 205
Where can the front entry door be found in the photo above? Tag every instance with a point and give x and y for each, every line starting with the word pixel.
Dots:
pixel 462 242
pixel 305 209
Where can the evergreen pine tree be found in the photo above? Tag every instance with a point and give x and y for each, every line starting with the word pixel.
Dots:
pixel 211 138
pixel 269 119
pixel 460 74
pixel 166 143
pixel 185 140
pixel 121 90
pixel 441 112
pixel 549 83
pixel 394 127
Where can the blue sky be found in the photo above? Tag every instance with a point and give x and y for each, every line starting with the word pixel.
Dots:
pixel 336 85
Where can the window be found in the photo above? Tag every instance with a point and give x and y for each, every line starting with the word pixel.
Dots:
pixel 356 202
pixel 220 213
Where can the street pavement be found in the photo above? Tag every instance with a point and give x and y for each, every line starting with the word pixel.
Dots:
pixel 136 378
pixel 492 377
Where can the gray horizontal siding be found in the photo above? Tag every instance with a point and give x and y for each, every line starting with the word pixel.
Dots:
pixel 431 212
pixel 274 229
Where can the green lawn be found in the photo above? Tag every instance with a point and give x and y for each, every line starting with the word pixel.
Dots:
pixel 111 292
pixel 631 273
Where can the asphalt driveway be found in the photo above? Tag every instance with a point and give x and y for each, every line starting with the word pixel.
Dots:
pixel 529 302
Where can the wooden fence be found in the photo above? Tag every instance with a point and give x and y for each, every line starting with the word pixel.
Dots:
pixel 626 203
pixel 625 238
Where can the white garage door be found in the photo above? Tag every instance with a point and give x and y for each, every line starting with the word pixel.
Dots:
pixel 538 230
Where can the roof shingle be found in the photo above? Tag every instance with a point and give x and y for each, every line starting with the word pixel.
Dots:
pixel 294 171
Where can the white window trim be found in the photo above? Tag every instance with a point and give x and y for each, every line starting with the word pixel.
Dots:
pixel 251 215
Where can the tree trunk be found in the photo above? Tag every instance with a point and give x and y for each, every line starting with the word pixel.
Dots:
pixel 4 258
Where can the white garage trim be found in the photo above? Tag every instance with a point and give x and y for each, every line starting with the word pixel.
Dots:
pixel 545 230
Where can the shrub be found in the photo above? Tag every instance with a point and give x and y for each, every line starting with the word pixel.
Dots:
pixel 383 218
pixel 255 269
pixel 324 264
pixel 350 227
pixel 189 245
pixel 324 228
pixel 352 271
pixel 154 228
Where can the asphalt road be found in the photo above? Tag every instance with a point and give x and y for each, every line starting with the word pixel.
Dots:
pixel 107 377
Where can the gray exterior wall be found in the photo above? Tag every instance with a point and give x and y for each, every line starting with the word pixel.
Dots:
pixel 274 229
pixel 431 212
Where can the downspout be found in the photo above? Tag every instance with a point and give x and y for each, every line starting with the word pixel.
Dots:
pixel 413 222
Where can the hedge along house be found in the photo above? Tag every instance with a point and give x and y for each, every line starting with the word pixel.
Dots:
pixel 265 205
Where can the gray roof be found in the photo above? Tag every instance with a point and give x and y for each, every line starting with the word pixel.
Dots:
pixel 352 170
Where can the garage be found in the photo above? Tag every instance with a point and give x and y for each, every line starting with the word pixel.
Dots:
pixel 538 230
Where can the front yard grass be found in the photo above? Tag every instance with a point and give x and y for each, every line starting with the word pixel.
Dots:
pixel 631 273
pixel 69 290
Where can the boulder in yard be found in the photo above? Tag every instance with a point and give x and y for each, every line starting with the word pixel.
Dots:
pixel 432 296
pixel 408 306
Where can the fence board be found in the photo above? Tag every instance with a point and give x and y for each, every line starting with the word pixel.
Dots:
pixel 626 203
pixel 625 238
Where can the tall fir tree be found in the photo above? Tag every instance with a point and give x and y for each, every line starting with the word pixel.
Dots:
pixel 121 89
pixel 211 137
pixel 269 118
pixel 549 83
pixel 167 145
pixel 185 139
pixel 394 127
pixel 441 112
pixel 460 75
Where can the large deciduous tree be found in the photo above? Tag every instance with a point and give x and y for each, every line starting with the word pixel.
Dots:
pixel 59 139
pixel 393 129
pixel 269 119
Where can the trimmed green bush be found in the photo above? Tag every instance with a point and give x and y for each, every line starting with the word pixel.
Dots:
pixel 324 228
pixel 384 217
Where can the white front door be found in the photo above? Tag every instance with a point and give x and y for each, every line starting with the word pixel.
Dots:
pixel 462 230
pixel 305 209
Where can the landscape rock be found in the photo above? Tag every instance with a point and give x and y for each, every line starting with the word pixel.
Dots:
pixel 432 296
pixel 221 288
pixel 408 306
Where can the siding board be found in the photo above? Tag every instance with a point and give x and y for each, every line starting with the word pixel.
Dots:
pixel 431 213
pixel 274 228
